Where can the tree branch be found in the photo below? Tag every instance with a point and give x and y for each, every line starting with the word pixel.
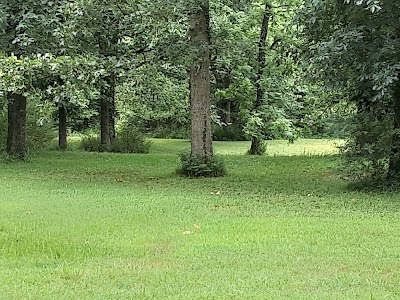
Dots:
pixel 275 43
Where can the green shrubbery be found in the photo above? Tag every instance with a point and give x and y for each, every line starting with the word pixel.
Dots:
pixel 232 132
pixel 126 141
pixel 90 143
pixel 365 158
pixel 197 166
pixel 130 141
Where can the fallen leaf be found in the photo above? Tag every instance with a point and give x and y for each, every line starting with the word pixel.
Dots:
pixel 218 193
pixel 187 232
pixel 197 226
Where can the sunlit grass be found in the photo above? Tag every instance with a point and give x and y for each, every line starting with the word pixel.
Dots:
pixel 80 225
pixel 277 147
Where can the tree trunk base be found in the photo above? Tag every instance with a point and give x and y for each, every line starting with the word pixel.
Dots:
pixel 62 128
pixel 105 134
pixel 16 138
pixel 257 147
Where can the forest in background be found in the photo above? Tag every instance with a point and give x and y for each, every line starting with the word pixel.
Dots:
pixel 119 70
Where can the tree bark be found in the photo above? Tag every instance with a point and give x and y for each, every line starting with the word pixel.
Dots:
pixel 16 138
pixel 113 113
pixel 226 118
pixel 105 135
pixel 62 127
pixel 107 112
pixel 200 89
pixel 256 141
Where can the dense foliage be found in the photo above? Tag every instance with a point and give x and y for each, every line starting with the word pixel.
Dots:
pixel 277 70
pixel 354 48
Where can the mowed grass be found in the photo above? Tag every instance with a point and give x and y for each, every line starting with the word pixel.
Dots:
pixel 274 148
pixel 80 225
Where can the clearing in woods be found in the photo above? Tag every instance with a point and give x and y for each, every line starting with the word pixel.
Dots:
pixel 78 225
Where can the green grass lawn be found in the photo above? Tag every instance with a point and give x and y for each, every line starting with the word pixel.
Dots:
pixel 80 225
pixel 281 148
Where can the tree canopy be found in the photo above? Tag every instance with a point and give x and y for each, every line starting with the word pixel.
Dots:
pixel 230 70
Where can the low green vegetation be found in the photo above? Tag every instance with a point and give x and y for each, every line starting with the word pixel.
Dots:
pixel 79 225
pixel 197 166
pixel 128 141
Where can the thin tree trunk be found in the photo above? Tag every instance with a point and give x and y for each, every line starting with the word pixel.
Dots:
pixel 62 127
pixel 200 90
pixel 105 135
pixel 227 112
pixel 223 82
pixel 256 142
pixel 113 113
pixel 16 138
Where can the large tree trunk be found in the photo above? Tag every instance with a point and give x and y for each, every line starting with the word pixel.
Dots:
pixel 394 164
pixel 62 127
pixel 107 112
pixel 256 142
pixel 16 138
pixel 200 92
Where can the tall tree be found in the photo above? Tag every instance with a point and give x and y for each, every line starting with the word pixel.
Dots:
pixel 117 33
pixel 256 147
pixel 28 31
pixel 354 46
pixel 200 88
pixel 16 136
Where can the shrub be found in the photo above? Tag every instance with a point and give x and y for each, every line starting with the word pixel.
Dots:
pixel 229 133
pixel 198 166
pixel 39 136
pixel 90 143
pixel 130 141
pixel 366 156
pixel 127 141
